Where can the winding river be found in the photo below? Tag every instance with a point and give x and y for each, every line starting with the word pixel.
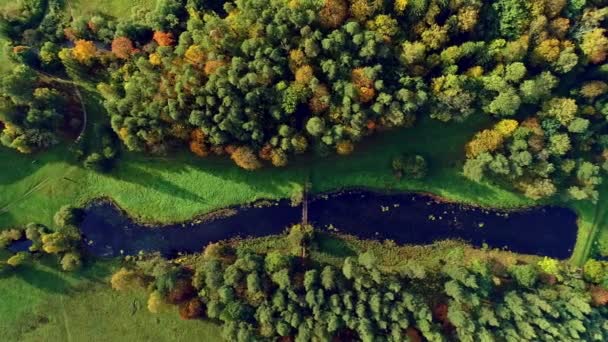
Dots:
pixel 406 218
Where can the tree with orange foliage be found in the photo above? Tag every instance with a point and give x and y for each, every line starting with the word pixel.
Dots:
pixel 122 47
pixel 266 152
pixel 197 143
pixel 245 158
pixel 181 292
pixel 84 51
pixel 212 66
pixel 163 38
pixel 364 84
pixel 599 296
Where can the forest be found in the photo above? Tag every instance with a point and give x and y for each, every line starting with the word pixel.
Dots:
pixel 263 81
pixel 282 293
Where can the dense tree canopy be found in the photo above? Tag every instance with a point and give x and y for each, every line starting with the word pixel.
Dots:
pixel 280 296
pixel 270 79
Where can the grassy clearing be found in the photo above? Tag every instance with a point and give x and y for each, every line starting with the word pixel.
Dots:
pixel 179 186
pixel 102 314
pixel 40 303
pixel 115 8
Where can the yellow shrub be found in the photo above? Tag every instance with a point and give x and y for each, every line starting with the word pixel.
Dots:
pixel 485 141
pixel 506 127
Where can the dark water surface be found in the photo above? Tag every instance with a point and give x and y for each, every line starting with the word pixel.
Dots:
pixel 406 218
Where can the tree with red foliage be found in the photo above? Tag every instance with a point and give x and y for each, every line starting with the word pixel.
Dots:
pixel 122 47
pixel 192 309
pixel 181 292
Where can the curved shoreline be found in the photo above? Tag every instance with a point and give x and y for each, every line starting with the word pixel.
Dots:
pixel 210 215
pixel 406 218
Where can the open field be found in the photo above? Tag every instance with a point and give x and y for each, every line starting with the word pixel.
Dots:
pixel 115 8
pixel 40 303
pixel 177 187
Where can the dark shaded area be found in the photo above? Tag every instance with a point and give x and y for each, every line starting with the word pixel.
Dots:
pixel 20 246
pixel 109 232
pixel 405 218
pixel 420 219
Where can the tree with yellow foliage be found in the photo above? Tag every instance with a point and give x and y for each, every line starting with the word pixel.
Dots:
pixel 487 140
pixel 195 55
pixel 345 147
pixel 84 51
pixel 400 6
pixel 125 279
pixel 595 45
pixel 304 75
pixel 506 127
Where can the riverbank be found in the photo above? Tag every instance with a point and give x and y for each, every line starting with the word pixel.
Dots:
pixel 180 187
pixel 405 218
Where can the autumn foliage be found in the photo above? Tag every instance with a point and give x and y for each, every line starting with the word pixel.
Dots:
pixel 163 38
pixel 84 51
pixel 333 13
pixel 245 158
pixel 122 47
pixel 181 292
pixel 192 309
pixel 197 143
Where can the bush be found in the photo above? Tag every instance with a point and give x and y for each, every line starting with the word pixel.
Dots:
pixel 9 236
pixel 126 279
pixel 156 302
pixel 245 158
pixel 68 216
pixel 595 271
pixel 71 262
pixel 18 259
pixel 56 243
pixel 410 166
pixel 96 162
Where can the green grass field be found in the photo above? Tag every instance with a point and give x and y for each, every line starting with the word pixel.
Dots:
pixel 115 8
pixel 40 303
pixel 177 187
